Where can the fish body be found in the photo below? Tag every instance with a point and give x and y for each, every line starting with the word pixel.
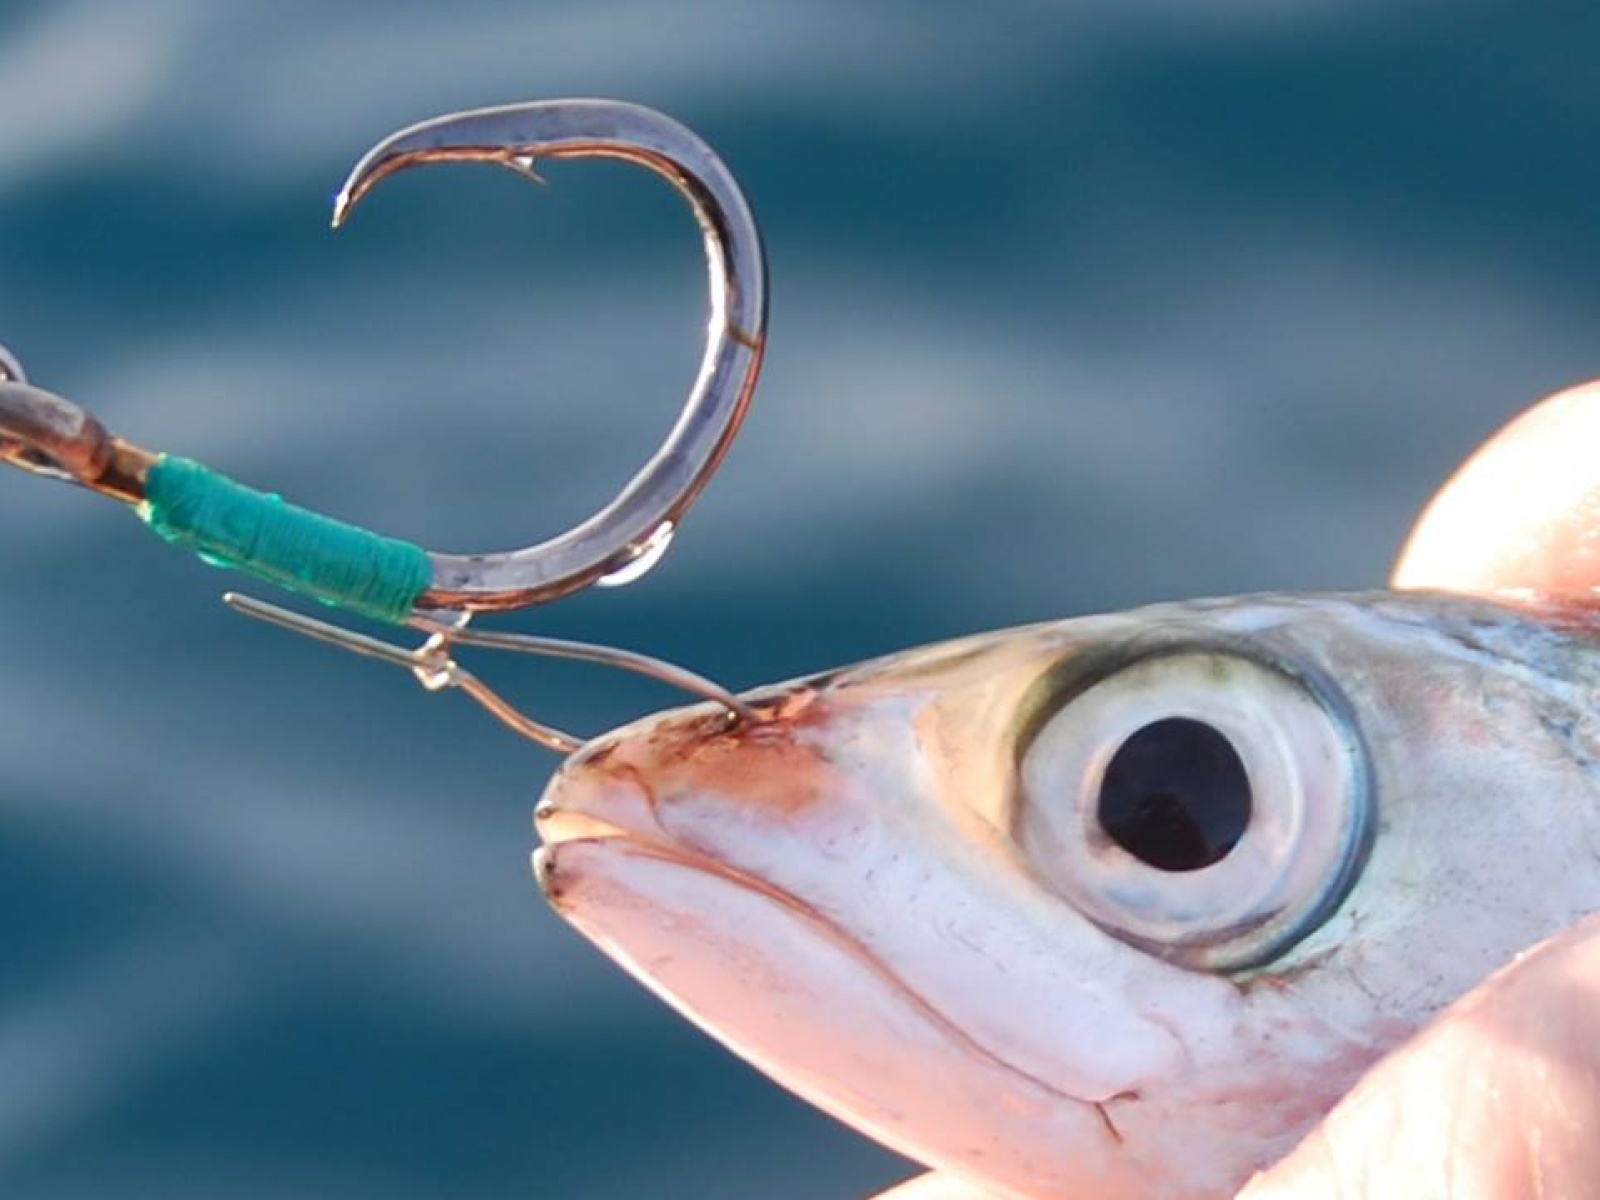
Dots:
pixel 918 894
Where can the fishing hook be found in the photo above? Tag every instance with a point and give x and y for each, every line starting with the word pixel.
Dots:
pixel 50 433
pixel 395 581
pixel 637 524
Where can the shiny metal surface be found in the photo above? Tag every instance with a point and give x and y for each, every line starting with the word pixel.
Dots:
pixel 44 434
pixel 649 507
pixel 53 436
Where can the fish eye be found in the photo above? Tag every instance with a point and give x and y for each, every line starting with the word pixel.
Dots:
pixel 1208 804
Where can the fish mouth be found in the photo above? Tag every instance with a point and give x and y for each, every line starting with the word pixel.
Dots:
pixel 569 816
pixel 564 830
pixel 602 798
pixel 631 830
pixel 558 825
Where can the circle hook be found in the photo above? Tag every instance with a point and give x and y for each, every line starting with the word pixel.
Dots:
pixel 631 532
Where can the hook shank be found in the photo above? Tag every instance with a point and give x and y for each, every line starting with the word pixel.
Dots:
pixel 43 434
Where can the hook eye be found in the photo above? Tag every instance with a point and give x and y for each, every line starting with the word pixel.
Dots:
pixel 627 536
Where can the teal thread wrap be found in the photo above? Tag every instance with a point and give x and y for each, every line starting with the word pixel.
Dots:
pixel 230 525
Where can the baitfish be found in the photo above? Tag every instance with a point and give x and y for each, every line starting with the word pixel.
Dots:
pixel 1120 906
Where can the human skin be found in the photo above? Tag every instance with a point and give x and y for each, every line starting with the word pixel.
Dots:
pixel 1498 1099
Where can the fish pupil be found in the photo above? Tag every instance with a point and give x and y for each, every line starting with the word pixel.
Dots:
pixel 1175 795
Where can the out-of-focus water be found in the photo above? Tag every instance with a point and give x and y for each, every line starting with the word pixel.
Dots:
pixel 1076 306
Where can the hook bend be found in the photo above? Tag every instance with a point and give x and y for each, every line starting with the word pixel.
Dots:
pixel 634 527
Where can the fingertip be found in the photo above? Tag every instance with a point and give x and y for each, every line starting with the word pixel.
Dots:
pixel 1522 514
pixel 1502 1090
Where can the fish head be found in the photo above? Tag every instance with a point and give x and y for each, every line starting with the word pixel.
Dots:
pixel 1115 906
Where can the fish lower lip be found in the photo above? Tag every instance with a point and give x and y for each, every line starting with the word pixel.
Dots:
pixel 659 911
pixel 562 827
pixel 593 800
pixel 563 831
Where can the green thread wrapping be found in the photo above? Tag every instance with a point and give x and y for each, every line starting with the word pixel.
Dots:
pixel 230 525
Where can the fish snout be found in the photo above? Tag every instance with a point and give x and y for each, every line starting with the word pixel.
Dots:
pixel 661 781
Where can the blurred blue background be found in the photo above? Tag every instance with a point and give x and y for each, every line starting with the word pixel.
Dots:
pixel 1076 306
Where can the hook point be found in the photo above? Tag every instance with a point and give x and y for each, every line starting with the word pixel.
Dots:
pixel 526 165
pixel 341 208
pixel 11 368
